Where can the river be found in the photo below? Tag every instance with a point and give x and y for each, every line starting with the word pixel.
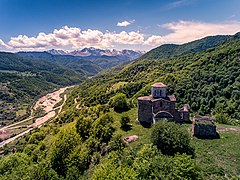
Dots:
pixel 47 103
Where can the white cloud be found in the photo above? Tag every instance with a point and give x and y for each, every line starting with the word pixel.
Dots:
pixel 178 3
pixel 70 38
pixel 125 23
pixel 186 31
pixel 3 45
pixel 74 38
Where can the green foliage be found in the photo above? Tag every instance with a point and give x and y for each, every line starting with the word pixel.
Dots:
pixel 125 120
pixel 112 169
pixel 79 158
pixel 102 128
pixel 148 163
pixel 224 119
pixel 83 127
pixel 170 138
pixel 14 166
pixel 144 162
pixel 66 140
pixel 184 168
pixel 35 138
pixel 119 102
pixel 43 170
pixel 116 143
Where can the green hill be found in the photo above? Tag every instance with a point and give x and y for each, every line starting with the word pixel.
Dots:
pixel 167 51
pixel 208 80
pixel 84 67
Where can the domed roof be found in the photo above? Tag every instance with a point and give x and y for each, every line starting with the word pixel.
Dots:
pixel 159 85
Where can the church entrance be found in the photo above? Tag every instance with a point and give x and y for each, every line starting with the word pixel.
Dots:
pixel 161 115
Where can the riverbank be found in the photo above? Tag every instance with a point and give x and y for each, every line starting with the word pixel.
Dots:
pixel 46 104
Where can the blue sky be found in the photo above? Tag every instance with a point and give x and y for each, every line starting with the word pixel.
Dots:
pixel 120 24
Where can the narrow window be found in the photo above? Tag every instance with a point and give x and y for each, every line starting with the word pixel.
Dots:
pixel 160 103
pixel 160 92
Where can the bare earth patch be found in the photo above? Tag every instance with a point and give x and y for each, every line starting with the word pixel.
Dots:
pixel 47 102
pixel 227 129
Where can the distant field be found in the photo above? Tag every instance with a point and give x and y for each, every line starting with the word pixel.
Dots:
pixel 216 158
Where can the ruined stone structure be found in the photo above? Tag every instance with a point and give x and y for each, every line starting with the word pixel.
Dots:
pixel 160 105
pixel 204 127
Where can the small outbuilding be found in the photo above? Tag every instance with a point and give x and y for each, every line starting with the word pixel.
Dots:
pixel 204 127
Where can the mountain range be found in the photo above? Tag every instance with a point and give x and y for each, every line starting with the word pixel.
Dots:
pixel 101 59
pixel 86 52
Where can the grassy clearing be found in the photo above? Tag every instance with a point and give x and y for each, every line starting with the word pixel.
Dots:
pixel 136 129
pixel 116 86
pixel 21 112
pixel 217 158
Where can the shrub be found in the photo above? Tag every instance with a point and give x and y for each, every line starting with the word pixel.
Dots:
pixel 83 127
pixel 119 102
pixel 102 128
pixel 184 168
pixel 222 118
pixel 171 138
pixel 124 121
pixel 116 143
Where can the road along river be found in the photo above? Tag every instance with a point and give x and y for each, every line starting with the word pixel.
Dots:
pixel 46 103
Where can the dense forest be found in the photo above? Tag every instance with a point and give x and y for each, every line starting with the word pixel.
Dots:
pixel 84 67
pixel 86 140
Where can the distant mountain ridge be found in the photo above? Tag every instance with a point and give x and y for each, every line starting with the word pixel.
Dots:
pixel 130 54
pixel 93 59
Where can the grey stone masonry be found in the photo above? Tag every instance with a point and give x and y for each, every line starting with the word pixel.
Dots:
pixel 159 105
pixel 204 127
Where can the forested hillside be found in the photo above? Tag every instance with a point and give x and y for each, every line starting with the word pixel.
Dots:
pixel 207 80
pixel 86 140
pixel 23 80
pixel 84 67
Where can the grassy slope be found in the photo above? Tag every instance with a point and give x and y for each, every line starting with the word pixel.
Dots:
pixel 216 158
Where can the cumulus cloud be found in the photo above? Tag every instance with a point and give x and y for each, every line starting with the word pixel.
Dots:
pixel 125 23
pixel 74 38
pixel 186 31
pixel 70 38
pixel 3 45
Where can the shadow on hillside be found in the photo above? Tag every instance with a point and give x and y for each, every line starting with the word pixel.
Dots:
pixel 127 127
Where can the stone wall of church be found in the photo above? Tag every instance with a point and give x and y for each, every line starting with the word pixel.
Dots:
pixel 160 105
pixel 145 111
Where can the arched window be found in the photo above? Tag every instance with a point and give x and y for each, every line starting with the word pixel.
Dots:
pixel 160 93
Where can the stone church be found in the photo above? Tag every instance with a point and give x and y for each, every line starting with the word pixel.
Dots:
pixel 159 105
